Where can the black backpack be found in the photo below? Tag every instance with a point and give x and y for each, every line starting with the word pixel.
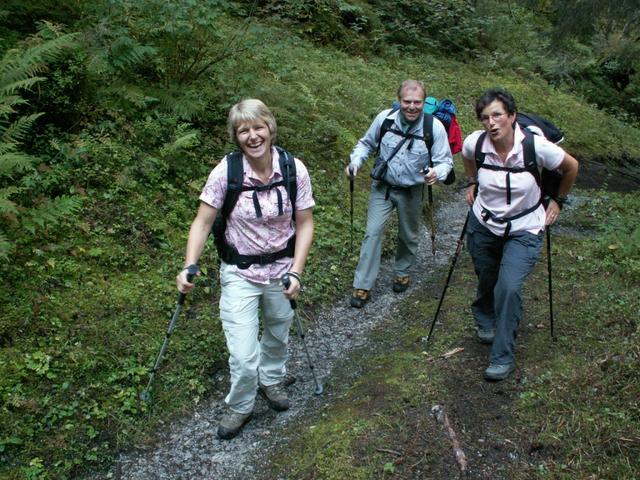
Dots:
pixel 427 135
pixel 235 175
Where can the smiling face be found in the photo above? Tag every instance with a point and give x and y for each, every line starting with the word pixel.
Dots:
pixel 254 138
pixel 497 121
pixel 411 103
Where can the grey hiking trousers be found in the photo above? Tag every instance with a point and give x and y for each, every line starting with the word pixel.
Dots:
pixel 382 201
pixel 502 265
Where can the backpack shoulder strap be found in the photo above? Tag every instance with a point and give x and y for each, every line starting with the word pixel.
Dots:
pixel 386 125
pixel 479 154
pixel 529 153
pixel 288 169
pixel 235 175
pixel 427 132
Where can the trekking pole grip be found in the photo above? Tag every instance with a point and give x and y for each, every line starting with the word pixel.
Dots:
pixel 286 282
pixel 192 271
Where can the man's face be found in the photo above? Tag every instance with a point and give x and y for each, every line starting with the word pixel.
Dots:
pixel 411 103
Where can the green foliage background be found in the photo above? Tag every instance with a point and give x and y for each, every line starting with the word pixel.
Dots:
pixel 112 114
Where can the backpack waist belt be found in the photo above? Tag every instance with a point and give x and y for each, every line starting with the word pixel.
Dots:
pixel 488 215
pixel 243 262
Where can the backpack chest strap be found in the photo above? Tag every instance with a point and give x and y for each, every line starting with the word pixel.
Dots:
pixel 265 188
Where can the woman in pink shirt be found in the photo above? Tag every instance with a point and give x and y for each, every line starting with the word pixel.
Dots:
pixel 507 220
pixel 263 240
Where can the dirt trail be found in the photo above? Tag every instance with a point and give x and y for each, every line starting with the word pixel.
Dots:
pixel 190 449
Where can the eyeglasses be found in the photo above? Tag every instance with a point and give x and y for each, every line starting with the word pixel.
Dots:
pixel 494 116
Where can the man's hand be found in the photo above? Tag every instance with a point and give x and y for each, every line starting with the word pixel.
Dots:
pixel 351 171
pixel 430 176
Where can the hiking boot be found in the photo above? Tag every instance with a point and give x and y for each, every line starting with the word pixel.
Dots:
pixel 232 423
pixel 485 335
pixel 400 284
pixel 276 396
pixel 359 298
pixel 497 372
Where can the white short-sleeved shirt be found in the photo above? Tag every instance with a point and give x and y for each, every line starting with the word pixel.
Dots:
pixel 270 233
pixel 525 193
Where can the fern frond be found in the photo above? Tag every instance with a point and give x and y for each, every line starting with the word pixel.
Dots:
pixel 131 93
pixel 16 131
pixel 18 68
pixel 6 205
pixel 14 162
pixel 188 104
pixel 8 103
pixel 5 247
pixel 9 86
pixel 51 213
pixel 184 142
pixel 126 52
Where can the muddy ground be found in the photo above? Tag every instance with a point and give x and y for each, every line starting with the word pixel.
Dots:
pixel 478 411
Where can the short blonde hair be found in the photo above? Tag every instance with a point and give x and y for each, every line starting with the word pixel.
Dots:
pixel 412 85
pixel 250 110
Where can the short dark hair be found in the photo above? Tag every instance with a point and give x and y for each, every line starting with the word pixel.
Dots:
pixel 495 94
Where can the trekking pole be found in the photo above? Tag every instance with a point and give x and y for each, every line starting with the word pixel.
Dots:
pixel 191 272
pixel 286 282
pixel 433 224
pixel 351 207
pixel 446 285
pixel 550 286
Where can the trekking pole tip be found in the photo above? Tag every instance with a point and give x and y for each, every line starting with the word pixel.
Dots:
pixel 144 396
pixel 319 389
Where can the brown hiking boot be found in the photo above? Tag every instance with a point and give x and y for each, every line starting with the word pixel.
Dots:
pixel 400 284
pixel 359 298
pixel 232 423
pixel 276 396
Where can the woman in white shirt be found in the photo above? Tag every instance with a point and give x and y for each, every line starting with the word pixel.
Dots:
pixel 507 219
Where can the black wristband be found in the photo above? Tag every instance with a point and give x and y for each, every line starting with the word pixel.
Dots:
pixel 560 201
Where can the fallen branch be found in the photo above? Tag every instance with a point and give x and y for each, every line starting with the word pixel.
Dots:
pixel 388 450
pixel 451 353
pixel 438 412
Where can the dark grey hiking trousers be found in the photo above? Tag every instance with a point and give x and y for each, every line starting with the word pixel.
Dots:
pixel 502 265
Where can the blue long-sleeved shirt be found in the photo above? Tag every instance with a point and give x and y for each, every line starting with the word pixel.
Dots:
pixel 404 169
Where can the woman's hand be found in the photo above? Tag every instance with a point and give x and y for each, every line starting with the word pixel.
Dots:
pixel 294 288
pixel 553 212
pixel 351 171
pixel 184 286
pixel 470 194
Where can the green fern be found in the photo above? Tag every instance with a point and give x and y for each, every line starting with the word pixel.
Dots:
pixel 50 213
pixel 20 70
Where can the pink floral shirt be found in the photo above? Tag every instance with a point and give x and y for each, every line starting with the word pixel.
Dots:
pixel 249 234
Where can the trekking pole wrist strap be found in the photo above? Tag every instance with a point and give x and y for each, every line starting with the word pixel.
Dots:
pixel 560 201
pixel 297 276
